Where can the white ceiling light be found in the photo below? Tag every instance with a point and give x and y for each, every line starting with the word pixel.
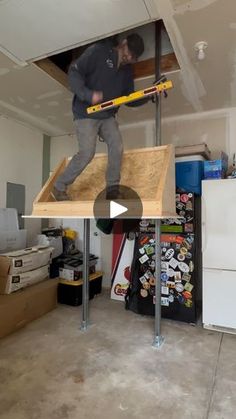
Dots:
pixel 200 48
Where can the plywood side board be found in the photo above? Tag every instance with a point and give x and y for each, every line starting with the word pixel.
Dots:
pixel 147 171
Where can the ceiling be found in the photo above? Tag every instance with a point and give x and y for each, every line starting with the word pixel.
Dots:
pixel 33 97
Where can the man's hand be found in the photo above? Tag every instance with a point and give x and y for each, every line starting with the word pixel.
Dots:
pixel 97 97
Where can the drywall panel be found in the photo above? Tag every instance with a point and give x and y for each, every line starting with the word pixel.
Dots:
pixel 21 162
pixel 57 25
pixel 211 129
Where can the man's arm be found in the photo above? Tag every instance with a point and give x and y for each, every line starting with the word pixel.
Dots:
pixel 77 76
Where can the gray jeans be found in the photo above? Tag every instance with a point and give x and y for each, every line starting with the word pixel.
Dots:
pixel 87 131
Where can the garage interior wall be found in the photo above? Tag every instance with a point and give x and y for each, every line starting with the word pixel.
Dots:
pixel 216 129
pixel 21 162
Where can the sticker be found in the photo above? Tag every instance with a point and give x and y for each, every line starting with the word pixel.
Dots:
pixel 177 197
pixel 190 239
pixel 152 281
pixel 152 241
pixel 146 285
pixel 183 267
pixel 183 251
pixel 152 291
pixel 180 206
pixel 188 303
pixel 142 251
pixel 165 301
pixel 179 287
pixel 187 295
pixel 173 263
pixel 169 254
pixel 144 223
pixel 181 299
pixel 144 240
pixel 180 257
pixel 188 227
pixel 184 198
pixel 163 249
pixel 150 250
pixel 187 244
pixel 189 255
pixel 189 206
pixel 171 298
pixel 151 264
pixel 191 266
pixel 188 287
pixel 143 259
pixel 171 273
pixel 164 277
pixel 142 279
pixel 143 293
pixel 177 276
pixel 186 277
pixel 165 290
pixel 170 284
pixel 164 266
pixel 148 274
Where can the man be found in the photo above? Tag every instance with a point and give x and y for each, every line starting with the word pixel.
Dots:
pixel 101 73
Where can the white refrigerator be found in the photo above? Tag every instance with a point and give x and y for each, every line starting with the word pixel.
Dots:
pixel 219 254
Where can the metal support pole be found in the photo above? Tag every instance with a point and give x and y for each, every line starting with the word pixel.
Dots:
pixel 158 27
pixel 158 339
pixel 85 296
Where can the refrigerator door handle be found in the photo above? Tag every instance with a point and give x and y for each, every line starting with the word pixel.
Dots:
pixel 204 226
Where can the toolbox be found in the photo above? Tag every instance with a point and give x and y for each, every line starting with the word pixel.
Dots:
pixel 70 292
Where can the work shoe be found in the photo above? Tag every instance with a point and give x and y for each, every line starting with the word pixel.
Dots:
pixel 60 195
pixel 113 192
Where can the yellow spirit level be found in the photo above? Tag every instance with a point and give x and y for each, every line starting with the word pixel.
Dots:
pixel 161 87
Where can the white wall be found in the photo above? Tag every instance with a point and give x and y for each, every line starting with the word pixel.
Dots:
pixel 217 129
pixel 21 162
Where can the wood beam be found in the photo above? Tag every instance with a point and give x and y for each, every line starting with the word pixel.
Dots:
pixel 140 69
pixel 53 70
pixel 147 67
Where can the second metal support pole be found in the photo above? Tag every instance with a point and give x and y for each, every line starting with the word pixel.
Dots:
pixel 158 339
pixel 85 292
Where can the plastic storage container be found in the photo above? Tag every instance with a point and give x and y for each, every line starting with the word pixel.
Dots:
pixel 189 172
pixel 70 292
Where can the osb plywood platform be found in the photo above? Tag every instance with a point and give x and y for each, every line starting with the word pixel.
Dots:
pixel 150 172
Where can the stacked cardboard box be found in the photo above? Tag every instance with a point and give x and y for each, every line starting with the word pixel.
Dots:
pixel 27 292
pixel 26 305
pixel 22 268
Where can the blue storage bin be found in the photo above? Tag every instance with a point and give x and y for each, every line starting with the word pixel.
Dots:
pixel 189 172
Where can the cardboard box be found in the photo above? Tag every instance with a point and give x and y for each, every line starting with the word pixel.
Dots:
pixel 20 308
pixel 24 260
pixel 216 169
pixel 12 283
pixel 11 240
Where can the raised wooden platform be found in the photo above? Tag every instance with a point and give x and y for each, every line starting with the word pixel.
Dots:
pixel 150 172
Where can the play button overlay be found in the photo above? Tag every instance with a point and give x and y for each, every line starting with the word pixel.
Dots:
pixel 118 202
pixel 116 209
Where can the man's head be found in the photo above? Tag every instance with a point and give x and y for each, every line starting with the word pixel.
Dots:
pixel 130 49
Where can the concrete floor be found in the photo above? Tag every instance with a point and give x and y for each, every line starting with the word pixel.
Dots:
pixel 51 370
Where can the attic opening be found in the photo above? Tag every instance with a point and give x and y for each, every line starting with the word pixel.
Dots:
pixel 57 65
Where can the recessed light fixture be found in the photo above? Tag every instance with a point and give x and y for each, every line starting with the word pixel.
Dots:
pixel 200 48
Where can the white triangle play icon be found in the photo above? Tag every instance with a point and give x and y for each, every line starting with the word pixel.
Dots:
pixel 116 209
